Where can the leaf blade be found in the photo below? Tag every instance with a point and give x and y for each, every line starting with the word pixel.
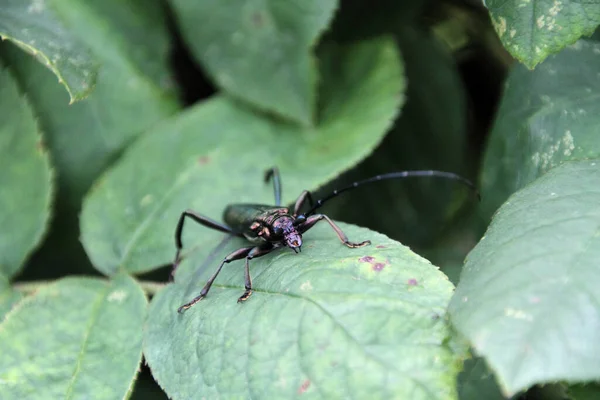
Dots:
pixel 533 30
pixel 93 347
pixel 313 317
pixel 37 30
pixel 259 51
pixel 527 287
pixel 26 180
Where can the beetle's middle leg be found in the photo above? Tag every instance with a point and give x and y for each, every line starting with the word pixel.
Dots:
pixel 254 253
pixel 313 219
pixel 274 173
pixel 202 220
pixel 236 255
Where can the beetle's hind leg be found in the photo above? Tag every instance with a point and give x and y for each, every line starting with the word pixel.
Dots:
pixel 202 220
pixel 254 253
pixel 313 219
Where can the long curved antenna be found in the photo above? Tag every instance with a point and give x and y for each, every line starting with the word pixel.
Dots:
pixel 395 175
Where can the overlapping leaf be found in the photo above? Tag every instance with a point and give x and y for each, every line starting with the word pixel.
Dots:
pixel 36 28
pixel 25 179
pixel 72 339
pixel 259 51
pixel 547 116
pixel 527 298
pixel 330 322
pixel 533 29
pixel 216 153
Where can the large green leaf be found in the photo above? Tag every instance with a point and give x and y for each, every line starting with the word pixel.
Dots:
pixel 330 322
pixel 25 178
pixel 527 298
pixel 533 29
pixel 77 338
pixel 216 153
pixel 8 297
pixel 34 27
pixel 547 116
pixel 259 51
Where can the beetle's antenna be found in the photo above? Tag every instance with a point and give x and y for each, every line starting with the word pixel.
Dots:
pixel 395 175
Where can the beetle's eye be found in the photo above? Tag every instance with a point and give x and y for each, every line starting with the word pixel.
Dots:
pixel 277 231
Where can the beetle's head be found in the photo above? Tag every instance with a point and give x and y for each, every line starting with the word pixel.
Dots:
pixel 284 227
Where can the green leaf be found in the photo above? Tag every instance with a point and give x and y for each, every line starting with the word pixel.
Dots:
pixel 527 298
pixel 73 338
pixel 589 391
pixel 330 322
pixel 36 29
pixel 216 153
pixel 8 297
pixel 259 51
pixel 25 179
pixel 136 31
pixel 415 211
pixel 85 137
pixel 476 382
pixel 547 116
pixel 532 30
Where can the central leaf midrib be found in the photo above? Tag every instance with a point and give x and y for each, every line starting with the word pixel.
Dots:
pixel 87 333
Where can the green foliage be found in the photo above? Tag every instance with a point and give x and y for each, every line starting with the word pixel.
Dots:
pixel 34 27
pixel 129 227
pixel 329 92
pixel 530 284
pixel 547 116
pixel 94 346
pixel 259 51
pixel 533 29
pixel 311 319
pixel 26 181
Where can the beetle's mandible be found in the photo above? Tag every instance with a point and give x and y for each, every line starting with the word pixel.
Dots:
pixel 271 227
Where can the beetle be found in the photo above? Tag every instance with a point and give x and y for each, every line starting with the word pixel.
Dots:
pixel 269 227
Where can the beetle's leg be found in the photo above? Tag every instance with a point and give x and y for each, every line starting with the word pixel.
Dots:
pixel 254 253
pixel 202 220
pixel 305 195
pixel 274 173
pixel 236 255
pixel 313 219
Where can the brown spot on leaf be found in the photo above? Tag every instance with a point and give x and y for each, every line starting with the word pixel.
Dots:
pixel 366 259
pixel 304 387
pixel 378 266
pixel 380 246
pixel 203 160
pixel 412 282
pixel 258 19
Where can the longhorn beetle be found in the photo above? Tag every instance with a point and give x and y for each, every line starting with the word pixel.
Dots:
pixel 270 227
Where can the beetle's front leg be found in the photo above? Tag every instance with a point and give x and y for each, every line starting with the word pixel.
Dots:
pixel 313 219
pixel 254 253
